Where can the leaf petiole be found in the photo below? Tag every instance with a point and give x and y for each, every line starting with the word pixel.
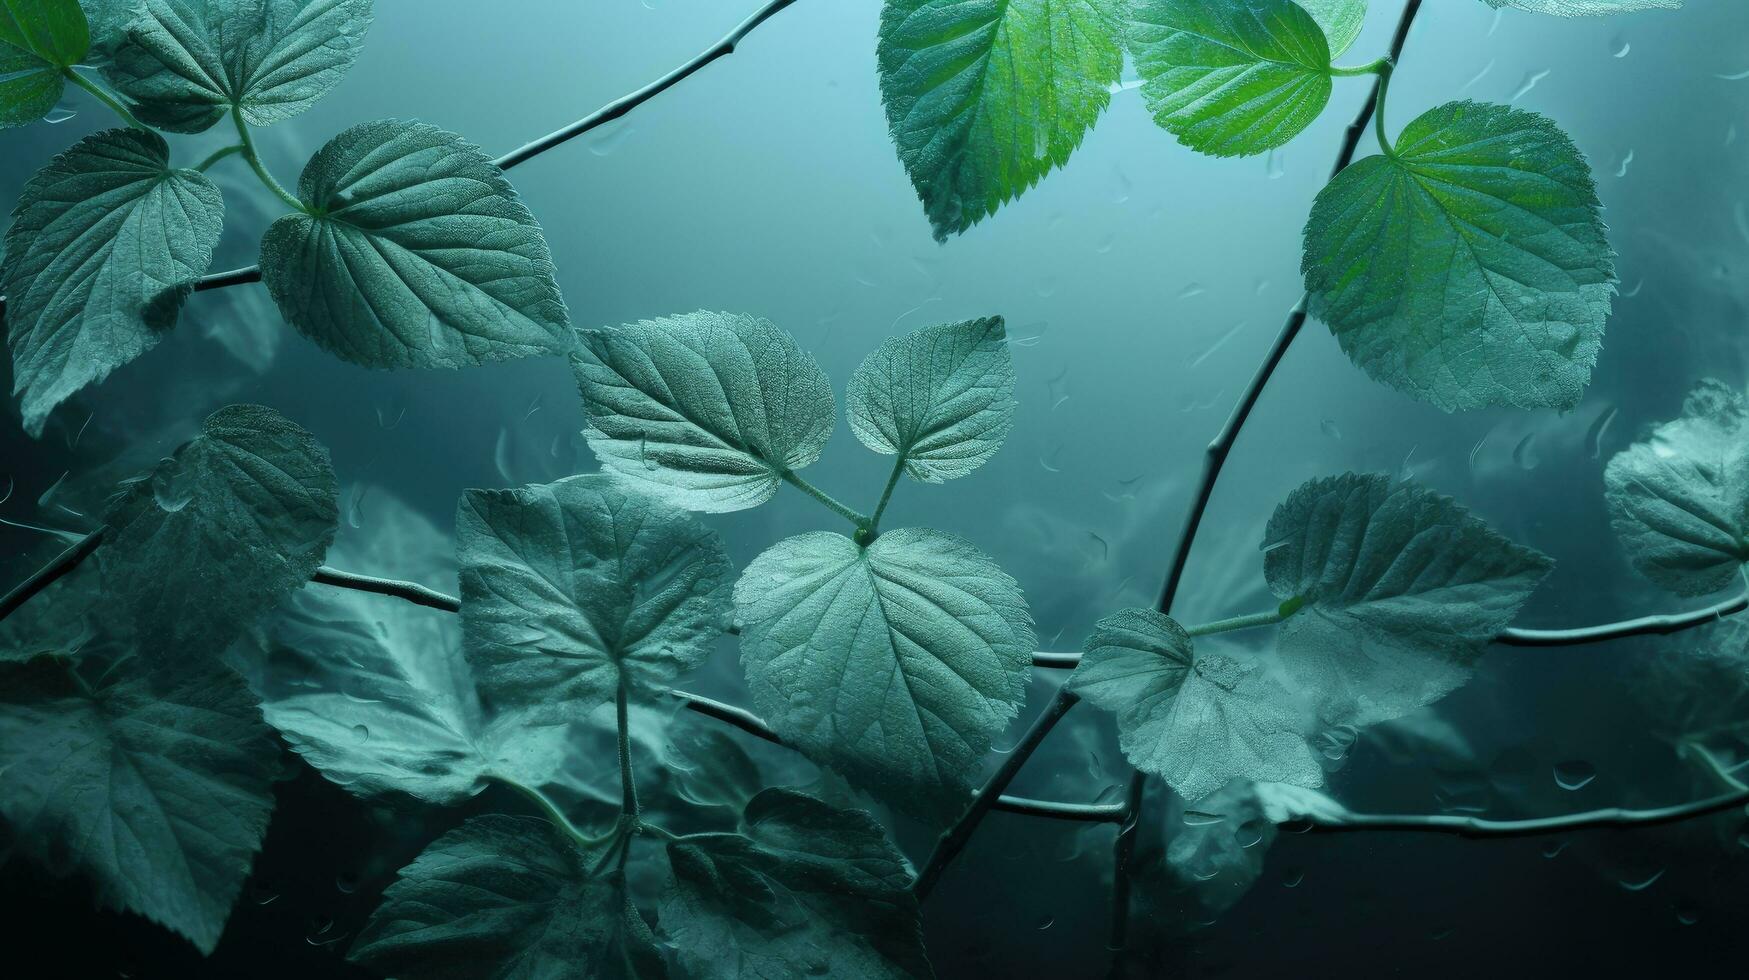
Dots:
pixel 862 521
pixel 104 97
pixel 1269 618
pixel 556 816
pixel 217 155
pixel 261 171
pixel 874 520
pixel 1378 67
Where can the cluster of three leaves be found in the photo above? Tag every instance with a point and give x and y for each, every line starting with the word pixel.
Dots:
pixel 1467 266
pixel 410 248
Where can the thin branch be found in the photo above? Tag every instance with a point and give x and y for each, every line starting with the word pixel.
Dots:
pixel 410 591
pixel 58 566
pixel 954 838
pixel 626 103
pixel 1660 625
pixel 600 117
pixel 1478 827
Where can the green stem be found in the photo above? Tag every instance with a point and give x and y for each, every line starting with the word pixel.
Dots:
pixel 254 158
pixel 104 97
pixel 874 520
pixel 1269 618
pixel 1378 113
pixel 217 155
pixel 860 520
pixel 554 815
pixel 1370 68
pixel 629 800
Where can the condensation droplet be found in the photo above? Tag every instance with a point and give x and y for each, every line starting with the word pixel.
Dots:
pixel 59 114
pixel 1329 428
pixel 360 734
pixel 1575 774
pixel 1524 454
pixel 1642 884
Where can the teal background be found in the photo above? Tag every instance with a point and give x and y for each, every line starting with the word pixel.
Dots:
pixel 1141 286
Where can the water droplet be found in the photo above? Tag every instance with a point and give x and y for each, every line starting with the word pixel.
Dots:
pixel 1620 47
pixel 1046 922
pixel 1478 76
pixel 1553 849
pixel 172 485
pixel 1622 171
pixel 1642 884
pixel 1199 818
pixel 346 883
pixel 1329 428
pixel 1274 167
pixel 1293 878
pixel 1530 81
pixel 1575 774
pixel 59 114
pixel 1525 455
pixel 360 734
pixel 609 138
pixel 1249 834
pixel 1191 289
pixel 1687 913
pixel 1598 428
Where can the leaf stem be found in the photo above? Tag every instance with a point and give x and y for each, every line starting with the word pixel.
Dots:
pixel 874 520
pixel 1252 621
pixel 261 171
pixel 554 815
pixel 860 520
pixel 217 155
pixel 1724 775
pixel 1370 68
pixel 1378 116
pixel 102 95
pixel 45 576
pixel 1442 823
pixel 628 787
pixel 412 592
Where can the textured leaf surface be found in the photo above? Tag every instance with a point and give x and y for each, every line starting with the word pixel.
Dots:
pixel 502 898
pixel 1402 590
pixel 895 664
pixel 1341 20
pixel 105 244
pixel 1586 8
pixel 155 786
pixel 804 890
pixel 942 398
pixel 416 253
pixel 1470 269
pixel 1230 77
pixel 1199 720
pixel 220 532
pixel 38 38
pixel 1679 501
pixel 374 692
pixel 985 97
pixel 571 589
pixel 185 63
pixel 705 410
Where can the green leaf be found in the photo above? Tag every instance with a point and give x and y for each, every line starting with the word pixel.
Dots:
pixel 157 786
pixel 185 63
pixel 804 890
pixel 986 97
pixel 415 253
pixel 705 410
pixel 374 692
pixel 574 589
pixel 1199 720
pixel 1586 8
pixel 108 23
pixel 941 398
pixel 1679 500
pixel 1341 20
pixel 105 244
pixel 1230 77
pixel 39 39
pixel 220 532
pixel 1471 267
pixel 504 898
pixel 1402 590
pixel 895 664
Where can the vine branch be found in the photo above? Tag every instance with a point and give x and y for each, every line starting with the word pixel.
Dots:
pixel 600 117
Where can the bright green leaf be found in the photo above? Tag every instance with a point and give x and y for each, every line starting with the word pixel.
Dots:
pixel 39 39
pixel 577 588
pixel 942 398
pixel 1230 77
pixel 185 63
pixel 1341 20
pixel 1197 719
pixel 415 253
pixel 105 244
pixel 706 410
pixel 1679 501
pixel 1470 268
pixel 238 518
pixel 804 890
pixel 985 97
pixel 895 664
pixel 157 786
pixel 504 898
pixel 1402 590
pixel 108 23
pixel 1586 8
